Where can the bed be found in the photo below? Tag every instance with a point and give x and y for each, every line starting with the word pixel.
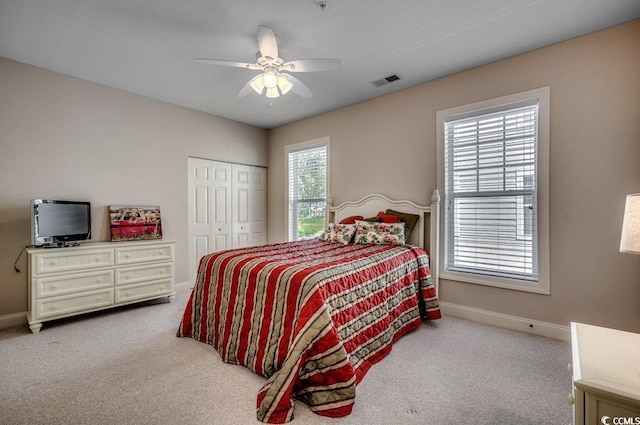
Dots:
pixel 313 316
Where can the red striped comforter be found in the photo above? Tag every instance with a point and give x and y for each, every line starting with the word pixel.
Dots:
pixel 310 316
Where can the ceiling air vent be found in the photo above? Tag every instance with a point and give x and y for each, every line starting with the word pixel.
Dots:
pixel 385 80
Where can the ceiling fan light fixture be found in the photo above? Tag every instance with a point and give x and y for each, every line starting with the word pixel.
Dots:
pixel 272 92
pixel 257 84
pixel 270 78
pixel 284 85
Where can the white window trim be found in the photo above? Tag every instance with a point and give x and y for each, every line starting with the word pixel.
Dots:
pixel 542 286
pixel 309 144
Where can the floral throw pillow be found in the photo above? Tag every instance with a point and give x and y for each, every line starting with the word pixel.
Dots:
pixel 326 235
pixel 343 233
pixel 338 233
pixel 379 233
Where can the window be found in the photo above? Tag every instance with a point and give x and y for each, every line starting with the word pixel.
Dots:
pixel 493 171
pixel 307 186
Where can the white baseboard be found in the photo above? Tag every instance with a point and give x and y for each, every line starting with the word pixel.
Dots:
pixel 182 284
pixel 522 324
pixel 11 320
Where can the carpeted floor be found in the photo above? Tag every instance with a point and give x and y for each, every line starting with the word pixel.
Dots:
pixel 127 367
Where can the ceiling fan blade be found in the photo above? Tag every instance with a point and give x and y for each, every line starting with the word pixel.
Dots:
pixel 312 65
pixel 298 87
pixel 267 43
pixel 227 63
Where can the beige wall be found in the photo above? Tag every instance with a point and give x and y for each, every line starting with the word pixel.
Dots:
pixel 65 138
pixel 594 163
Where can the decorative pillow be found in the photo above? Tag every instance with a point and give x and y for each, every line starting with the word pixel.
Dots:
pixel 379 233
pixel 388 218
pixel 326 235
pixel 338 233
pixel 409 220
pixel 372 219
pixel 351 220
pixel 343 233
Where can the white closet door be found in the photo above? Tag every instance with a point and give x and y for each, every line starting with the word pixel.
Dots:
pixel 209 210
pixel 227 208
pixel 221 206
pixel 258 216
pixel 241 205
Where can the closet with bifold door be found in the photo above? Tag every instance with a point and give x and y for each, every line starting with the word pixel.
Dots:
pixel 227 208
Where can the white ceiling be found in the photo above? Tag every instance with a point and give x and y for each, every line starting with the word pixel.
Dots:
pixel 146 46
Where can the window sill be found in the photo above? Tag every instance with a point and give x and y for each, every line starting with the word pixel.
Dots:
pixel 539 287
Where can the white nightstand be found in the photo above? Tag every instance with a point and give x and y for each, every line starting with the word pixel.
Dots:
pixel 606 375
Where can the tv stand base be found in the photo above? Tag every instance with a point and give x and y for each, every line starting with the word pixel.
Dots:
pixel 61 244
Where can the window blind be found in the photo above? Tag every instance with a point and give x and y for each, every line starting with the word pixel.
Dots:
pixel 307 175
pixel 491 192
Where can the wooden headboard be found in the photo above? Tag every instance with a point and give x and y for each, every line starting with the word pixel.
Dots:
pixel 426 229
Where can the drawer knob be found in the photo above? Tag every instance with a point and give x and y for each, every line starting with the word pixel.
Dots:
pixel 126 277
pixel 571 400
pixel 53 286
pixel 126 256
pixel 53 263
pixel 97 259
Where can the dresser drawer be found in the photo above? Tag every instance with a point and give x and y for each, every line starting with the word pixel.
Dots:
pixel 143 253
pixel 64 261
pixel 127 275
pixel 76 303
pixel 70 283
pixel 138 291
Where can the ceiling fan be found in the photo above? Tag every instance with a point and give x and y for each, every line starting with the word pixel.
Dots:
pixel 274 79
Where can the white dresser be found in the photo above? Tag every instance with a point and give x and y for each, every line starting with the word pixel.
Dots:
pixel 95 276
pixel 606 375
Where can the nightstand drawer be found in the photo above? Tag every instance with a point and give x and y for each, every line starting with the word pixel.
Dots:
pixel 143 253
pixel 66 305
pixel 607 407
pixel 144 290
pixel 64 284
pixel 59 260
pixel 129 275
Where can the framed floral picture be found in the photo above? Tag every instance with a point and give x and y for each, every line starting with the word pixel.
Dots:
pixel 135 222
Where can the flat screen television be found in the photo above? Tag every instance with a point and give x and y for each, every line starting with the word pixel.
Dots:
pixel 59 223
